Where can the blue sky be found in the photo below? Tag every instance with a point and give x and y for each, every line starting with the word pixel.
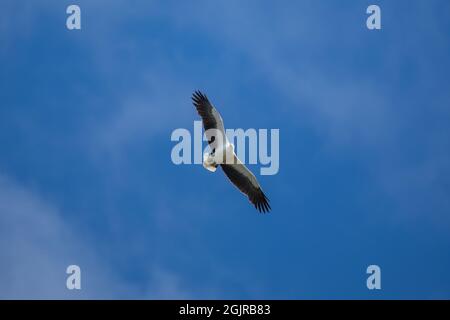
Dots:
pixel 85 170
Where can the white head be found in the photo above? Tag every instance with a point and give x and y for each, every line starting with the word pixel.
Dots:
pixel 209 163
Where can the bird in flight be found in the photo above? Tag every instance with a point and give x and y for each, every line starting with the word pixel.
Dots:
pixel 223 154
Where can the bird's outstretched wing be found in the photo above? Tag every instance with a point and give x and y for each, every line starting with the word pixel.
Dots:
pixel 210 116
pixel 246 182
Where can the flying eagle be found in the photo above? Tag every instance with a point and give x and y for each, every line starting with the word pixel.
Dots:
pixel 223 154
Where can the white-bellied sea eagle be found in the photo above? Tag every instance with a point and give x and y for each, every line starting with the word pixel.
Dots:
pixel 222 153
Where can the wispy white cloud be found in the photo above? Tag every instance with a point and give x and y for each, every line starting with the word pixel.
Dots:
pixel 37 245
pixel 38 242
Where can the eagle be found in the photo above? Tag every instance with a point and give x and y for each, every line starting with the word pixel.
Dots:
pixel 222 153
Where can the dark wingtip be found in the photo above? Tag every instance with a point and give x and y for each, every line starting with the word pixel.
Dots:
pixel 262 203
pixel 198 96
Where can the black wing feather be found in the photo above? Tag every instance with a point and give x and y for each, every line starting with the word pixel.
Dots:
pixel 205 110
pixel 254 194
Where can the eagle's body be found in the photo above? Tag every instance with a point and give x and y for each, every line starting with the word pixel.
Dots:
pixel 223 154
